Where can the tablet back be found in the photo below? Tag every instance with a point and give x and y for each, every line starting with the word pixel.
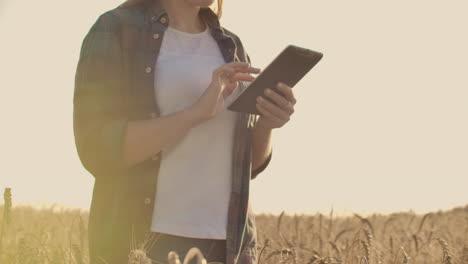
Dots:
pixel 289 67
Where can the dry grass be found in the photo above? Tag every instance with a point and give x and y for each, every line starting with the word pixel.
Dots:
pixel 58 235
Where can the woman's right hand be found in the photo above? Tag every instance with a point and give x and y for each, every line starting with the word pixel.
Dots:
pixel 224 82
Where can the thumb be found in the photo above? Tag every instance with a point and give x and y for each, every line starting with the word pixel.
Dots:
pixel 229 89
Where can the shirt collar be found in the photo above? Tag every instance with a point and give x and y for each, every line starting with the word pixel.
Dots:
pixel 156 12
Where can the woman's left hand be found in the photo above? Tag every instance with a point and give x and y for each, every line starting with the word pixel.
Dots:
pixel 275 115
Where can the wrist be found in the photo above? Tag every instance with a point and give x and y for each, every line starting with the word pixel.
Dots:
pixel 262 125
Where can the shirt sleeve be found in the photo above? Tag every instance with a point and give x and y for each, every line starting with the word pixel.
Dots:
pixel 265 164
pixel 99 114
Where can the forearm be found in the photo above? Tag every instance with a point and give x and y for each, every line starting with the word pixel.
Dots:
pixel 145 138
pixel 261 145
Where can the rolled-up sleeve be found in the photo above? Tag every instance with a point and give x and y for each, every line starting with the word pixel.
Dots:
pixel 99 113
pixel 262 167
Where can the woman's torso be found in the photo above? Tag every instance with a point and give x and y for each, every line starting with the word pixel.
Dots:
pixel 194 178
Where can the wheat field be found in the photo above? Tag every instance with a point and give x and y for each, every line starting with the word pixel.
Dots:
pixel 56 234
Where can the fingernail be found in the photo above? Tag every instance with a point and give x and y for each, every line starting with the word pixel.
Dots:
pixel 267 91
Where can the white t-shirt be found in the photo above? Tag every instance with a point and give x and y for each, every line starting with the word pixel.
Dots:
pixel 194 181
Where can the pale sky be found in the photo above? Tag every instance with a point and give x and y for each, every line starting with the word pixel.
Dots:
pixel 380 123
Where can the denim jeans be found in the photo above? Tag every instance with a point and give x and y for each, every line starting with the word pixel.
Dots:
pixel 213 250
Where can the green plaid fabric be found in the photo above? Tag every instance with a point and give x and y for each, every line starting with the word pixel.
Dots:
pixel 114 85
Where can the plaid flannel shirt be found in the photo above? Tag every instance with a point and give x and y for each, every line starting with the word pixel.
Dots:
pixel 114 85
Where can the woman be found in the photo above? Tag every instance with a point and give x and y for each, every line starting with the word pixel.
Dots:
pixel 171 164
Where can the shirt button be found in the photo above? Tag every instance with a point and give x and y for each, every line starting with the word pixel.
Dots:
pixel 163 20
pixel 148 69
pixel 147 200
pixel 156 36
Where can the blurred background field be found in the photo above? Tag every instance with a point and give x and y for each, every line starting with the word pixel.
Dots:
pixel 56 234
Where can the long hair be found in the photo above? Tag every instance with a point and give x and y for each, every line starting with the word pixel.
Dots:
pixel 218 10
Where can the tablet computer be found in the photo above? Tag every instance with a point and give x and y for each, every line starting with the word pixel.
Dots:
pixel 288 67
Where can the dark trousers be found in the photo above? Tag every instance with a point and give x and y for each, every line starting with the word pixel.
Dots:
pixel 213 250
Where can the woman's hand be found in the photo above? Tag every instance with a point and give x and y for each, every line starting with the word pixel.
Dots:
pixel 224 81
pixel 275 115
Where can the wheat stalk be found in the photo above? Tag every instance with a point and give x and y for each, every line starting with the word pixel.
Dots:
pixel 6 215
pixel 194 253
pixel 447 256
pixel 173 258
pixel 365 221
pixel 138 256
pixel 77 254
pixel 406 258
pixel 423 220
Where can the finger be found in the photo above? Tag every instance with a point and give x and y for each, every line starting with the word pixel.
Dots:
pixel 241 66
pixel 268 114
pixel 224 72
pixel 279 100
pixel 232 82
pixel 230 72
pixel 255 70
pixel 249 69
pixel 235 64
pixel 229 89
pixel 278 112
pixel 241 77
pixel 241 74
pixel 287 91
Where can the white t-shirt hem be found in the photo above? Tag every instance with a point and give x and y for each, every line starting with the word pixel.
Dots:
pixel 188 231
